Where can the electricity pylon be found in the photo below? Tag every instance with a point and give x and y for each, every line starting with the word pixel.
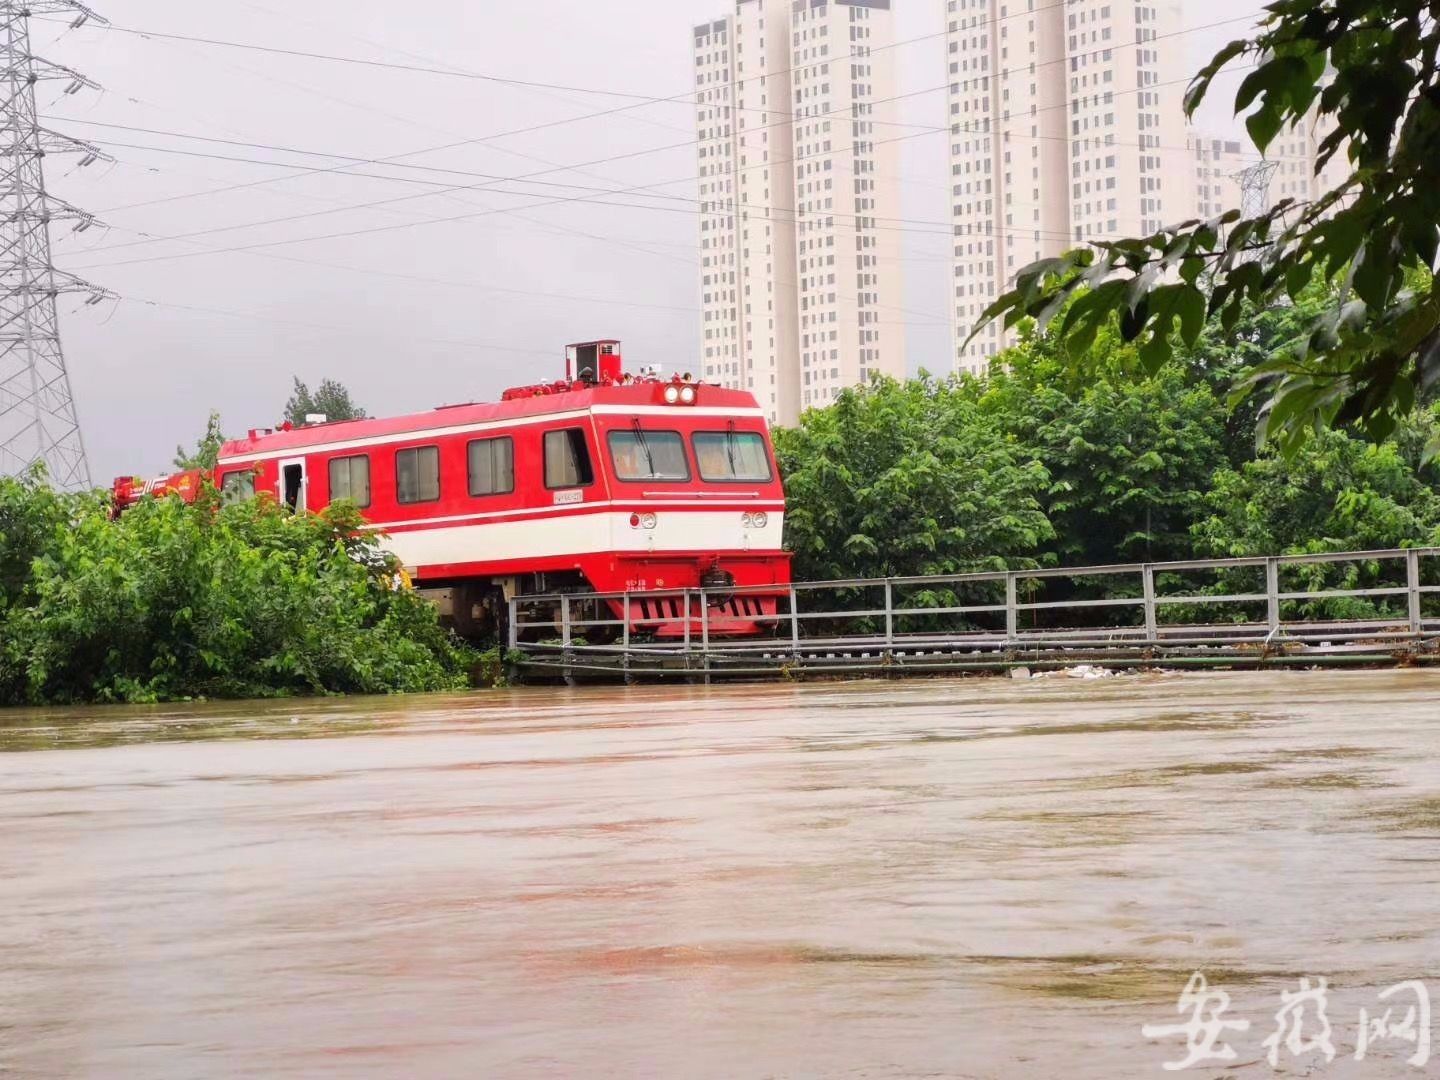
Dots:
pixel 1254 181
pixel 38 422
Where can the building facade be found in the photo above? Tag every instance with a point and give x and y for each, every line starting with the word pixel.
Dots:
pixel 1065 126
pixel 799 249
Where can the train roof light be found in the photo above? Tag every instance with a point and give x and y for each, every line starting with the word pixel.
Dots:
pixel 687 395
pixel 672 394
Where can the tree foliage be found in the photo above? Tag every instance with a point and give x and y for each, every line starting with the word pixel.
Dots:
pixel 1369 72
pixel 174 601
pixel 1129 461
pixel 1045 464
pixel 1340 494
pixel 908 478
pixel 330 399
pixel 206 454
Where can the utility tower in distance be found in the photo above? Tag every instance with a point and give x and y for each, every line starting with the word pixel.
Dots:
pixel 38 422
pixel 1254 182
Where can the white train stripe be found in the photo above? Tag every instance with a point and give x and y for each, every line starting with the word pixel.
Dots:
pixel 541 538
pixel 551 512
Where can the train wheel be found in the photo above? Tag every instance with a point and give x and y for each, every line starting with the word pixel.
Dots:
pixel 479 613
pixel 465 599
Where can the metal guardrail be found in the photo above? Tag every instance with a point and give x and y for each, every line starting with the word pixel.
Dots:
pixel 578 631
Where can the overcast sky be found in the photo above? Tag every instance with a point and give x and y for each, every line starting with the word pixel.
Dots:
pixel 415 314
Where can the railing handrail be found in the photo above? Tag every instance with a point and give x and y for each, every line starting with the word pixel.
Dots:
pixel 982 576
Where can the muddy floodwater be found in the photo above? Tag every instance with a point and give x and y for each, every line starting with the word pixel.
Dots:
pixel 978 878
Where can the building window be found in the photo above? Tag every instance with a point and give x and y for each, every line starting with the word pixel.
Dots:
pixel 417 474
pixel 491 466
pixel 350 479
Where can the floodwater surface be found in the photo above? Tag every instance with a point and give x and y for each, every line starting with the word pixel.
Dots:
pixel 977 878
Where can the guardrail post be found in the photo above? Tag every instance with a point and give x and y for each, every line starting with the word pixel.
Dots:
pixel 705 635
pixel 565 638
pixel 1272 593
pixel 1012 613
pixel 625 640
pixel 889 612
pixel 1152 624
pixel 1412 585
pixel 687 629
pixel 794 623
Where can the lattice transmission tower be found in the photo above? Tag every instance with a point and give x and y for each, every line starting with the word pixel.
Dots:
pixel 1254 184
pixel 38 422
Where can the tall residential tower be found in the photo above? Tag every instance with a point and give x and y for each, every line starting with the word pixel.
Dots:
pixel 1065 126
pixel 799 245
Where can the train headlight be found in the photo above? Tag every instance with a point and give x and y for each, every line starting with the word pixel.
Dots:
pixel 747 519
pixel 760 519
pixel 647 521
pixel 687 395
pixel 672 395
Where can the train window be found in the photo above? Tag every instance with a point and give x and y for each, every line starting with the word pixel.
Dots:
pixel 417 474
pixel 649 455
pixel 567 459
pixel 492 466
pixel 237 486
pixel 732 456
pixel 350 479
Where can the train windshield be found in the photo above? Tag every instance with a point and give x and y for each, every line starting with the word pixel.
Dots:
pixel 649 455
pixel 732 456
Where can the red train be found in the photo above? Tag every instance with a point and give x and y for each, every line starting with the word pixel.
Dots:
pixel 601 481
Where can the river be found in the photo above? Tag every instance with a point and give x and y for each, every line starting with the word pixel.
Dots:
pixel 971 878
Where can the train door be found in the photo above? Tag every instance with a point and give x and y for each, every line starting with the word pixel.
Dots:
pixel 292 483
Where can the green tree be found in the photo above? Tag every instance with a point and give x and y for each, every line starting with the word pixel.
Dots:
pixel 174 600
pixel 32 514
pixel 1129 461
pixel 206 454
pixel 1334 493
pixel 908 478
pixel 330 399
pixel 1369 71
pixel 1337 493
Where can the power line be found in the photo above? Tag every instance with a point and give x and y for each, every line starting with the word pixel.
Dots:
pixel 469 286
pixel 250 316
pixel 472 286
pixel 685 98
pixel 638 100
pixel 950 228
pixel 341 168
pixel 528 178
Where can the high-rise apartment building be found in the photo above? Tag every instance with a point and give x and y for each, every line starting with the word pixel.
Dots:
pixel 1296 152
pixel 799 250
pixel 1065 126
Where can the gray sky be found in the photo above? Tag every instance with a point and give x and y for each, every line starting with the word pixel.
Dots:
pixel 417 314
